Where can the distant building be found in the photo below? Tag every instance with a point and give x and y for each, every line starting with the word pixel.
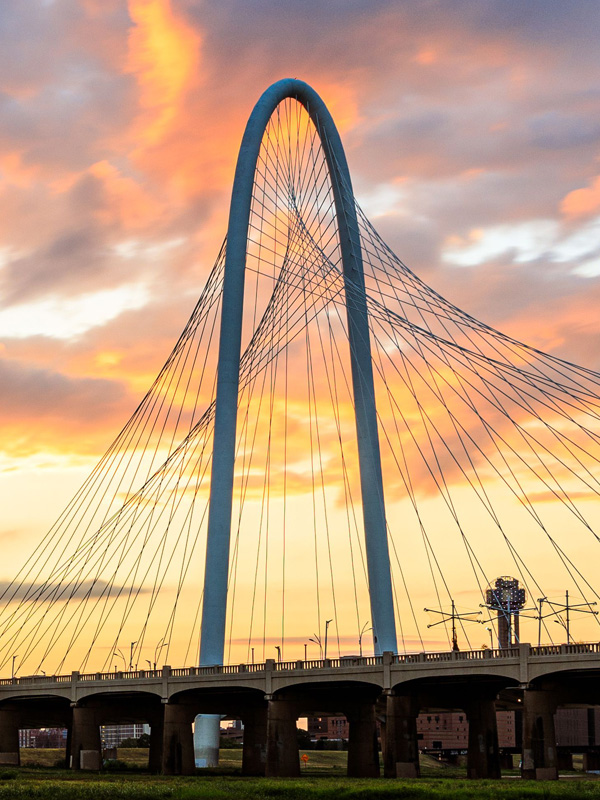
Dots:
pixel 449 730
pixel 113 735
pixel 43 737
pixel 443 731
pixel 328 728
pixel 234 733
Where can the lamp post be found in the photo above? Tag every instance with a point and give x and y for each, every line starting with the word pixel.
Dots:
pixel 118 652
pixel 149 664
pixel 131 655
pixel 327 621
pixel 305 646
pixel 12 672
pixel 159 647
pixel 278 648
pixel 491 633
pixel 317 640
pixel 364 629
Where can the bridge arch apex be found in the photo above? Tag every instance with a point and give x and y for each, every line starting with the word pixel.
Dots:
pixel 223 461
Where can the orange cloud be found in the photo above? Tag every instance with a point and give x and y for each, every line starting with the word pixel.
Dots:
pixel 582 202
pixel 164 55
pixel 125 200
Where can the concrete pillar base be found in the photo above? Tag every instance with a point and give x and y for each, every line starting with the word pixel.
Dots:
pixel 565 761
pixel 483 755
pixel 90 759
pixel 546 774
pixel 540 761
pixel 9 738
pixel 156 742
pixel 363 757
pixel 591 761
pixel 407 769
pixel 282 759
pixel 86 748
pixel 254 756
pixel 401 751
pixel 178 745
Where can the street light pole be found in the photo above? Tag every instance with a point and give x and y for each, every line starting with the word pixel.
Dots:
pixel 317 640
pixel 540 618
pixel 159 647
pixel 120 653
pixel 327 621
pixel 12 673
pixel 364 629
pixel 131 655
pixel 278 648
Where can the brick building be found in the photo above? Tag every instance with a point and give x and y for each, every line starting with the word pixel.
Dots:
pixel 43 737
pixel 449 730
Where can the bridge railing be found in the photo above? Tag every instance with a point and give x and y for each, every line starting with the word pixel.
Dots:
pixel 579 648
pixel 546 650
pixel 456 655
pixel 566 649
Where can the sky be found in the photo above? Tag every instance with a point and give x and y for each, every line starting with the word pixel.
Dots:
pixel 472 131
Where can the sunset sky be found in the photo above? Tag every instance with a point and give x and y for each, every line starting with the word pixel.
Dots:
pixel 472 131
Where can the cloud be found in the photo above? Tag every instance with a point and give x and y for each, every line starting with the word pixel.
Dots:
pixel 582 202
pixel 472 135
pixel 65 591
pixel 164 55
pixel 44 409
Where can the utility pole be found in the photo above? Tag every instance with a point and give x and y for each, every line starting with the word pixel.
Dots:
pixel 452 617
pixel 568 608
pixel 327 621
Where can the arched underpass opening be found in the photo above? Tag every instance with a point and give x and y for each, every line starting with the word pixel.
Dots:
pixel 419 708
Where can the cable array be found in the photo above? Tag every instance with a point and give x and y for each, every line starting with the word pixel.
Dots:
pixel 490 457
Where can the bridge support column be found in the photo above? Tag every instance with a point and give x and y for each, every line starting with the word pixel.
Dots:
pixel 178 743
pixel 9 738
pixel 282 740
pixel 86 748
pixel 539 737
pixel 155 756
pixel 254 755
pixel 363 757
pixel 591 761
pixel 400 749
pixel 565 760
pixel 483 755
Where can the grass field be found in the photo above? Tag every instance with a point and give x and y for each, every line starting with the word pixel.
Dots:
pixel 322 779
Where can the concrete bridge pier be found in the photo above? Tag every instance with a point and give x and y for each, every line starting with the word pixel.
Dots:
pixel 483 755
pixel 282 757
pixel 156 742
pixel 591 761
pixel 86 747
pixel 254 755
pixel 399 738
pixel 177 742
pixel 363 756
pixel 540 759
pixel 9 738
pixel 565 760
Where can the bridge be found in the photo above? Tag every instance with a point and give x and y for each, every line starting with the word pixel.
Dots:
pixel 270 697
pixel 352 412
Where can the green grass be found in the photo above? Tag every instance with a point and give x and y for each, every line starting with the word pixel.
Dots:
pixel 30 784
pixel 322 779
